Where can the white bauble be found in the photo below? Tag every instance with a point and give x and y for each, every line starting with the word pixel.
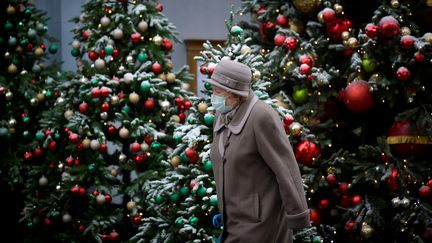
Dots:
pixel 134 98
pixel 157 40
pixel 76 44
pixel 105 21
pixel 100 64
pixel 43 181
pixel 142 26
pixel 94 144
pixel 100 199
pixel 67 218
pixel 124 132
pixel 117 33
pixel 145 147
pixel 128 77
pixel 68 114
pixel 245 49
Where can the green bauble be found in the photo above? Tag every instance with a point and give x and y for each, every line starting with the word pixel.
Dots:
pixel 155 146
pixel 184 191
pixel 213 200
pixel 179 222
pixel 91 167
pixel 158 199
pixel 201 192
pixel 207 165
pixel 27 12
pixel 300 96
pixel 24 42
pixel 208 119
pixel 53 48
pixel 21 26
pixel 368 65
pixel 142 57
pixel 12 41
pixel 75 52
pixel 316 239
pixel 48 94
pixel 57 135
pixel 193 221
pixel 175 197
pixel 184 158
pixel 94 82
pixel 26 120
pixel 236 30
pixel 126 109
pixel 207 85
pixel 145 86
pixel 109 49
pixel 40 136
pixel 177 138
pixel 26 134
pixel 8 26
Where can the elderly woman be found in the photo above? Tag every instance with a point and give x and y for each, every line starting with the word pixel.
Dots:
pixel 258 182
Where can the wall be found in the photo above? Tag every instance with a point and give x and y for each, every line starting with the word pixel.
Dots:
pixel 195 19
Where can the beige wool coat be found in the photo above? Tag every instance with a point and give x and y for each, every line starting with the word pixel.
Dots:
pixel 259 187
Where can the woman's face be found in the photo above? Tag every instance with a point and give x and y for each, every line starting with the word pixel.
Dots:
pixel 231 99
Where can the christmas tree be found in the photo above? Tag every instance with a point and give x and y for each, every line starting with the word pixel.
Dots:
pixel 26 88
pixel 110 129
pixel 358 75
pixel 182 206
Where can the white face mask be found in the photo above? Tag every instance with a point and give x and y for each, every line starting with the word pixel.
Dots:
pixel 219 103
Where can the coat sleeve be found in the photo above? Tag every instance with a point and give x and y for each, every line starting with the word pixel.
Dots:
pixel 274 147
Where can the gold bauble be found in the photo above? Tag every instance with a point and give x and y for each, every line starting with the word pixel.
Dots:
pixel 134 98
pixel 86 143
pixel 19 49
pixel 428 37
pixel 320 17
pixel 131 205
pixel 405 31
pixel 429 3
pixel 366 230
pixel 168 64
pixel 114 171
pixel 12 69
pixel 305 6
pixel 352 42
pixel 296 26
pixel 202 107
pixel 162 76
pixel 40 97
pixel 345 35
pixel 395 3
pixel 10 10
pixel 170 78
pixel 175 161
pixel 114 99
pixel 157 40
pixel 175 118
pixel 256 75
pixel 68 114
pixel 295 129
pixel 39 52
pixel 11 130
pixel 34 102
pixel 338 8
pixel 9 95
pixel 12 122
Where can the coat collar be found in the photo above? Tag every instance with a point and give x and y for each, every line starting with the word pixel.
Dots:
pixel 239 117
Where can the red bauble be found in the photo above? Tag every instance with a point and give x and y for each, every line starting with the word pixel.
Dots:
pixel 266 29
pixel 335 28
pixel 306 152
pixel 192 184
pixel 182 117
pixel 81 191
pixel 140 158
pixel 288 119
pixel 282 21
pixel 96 92
pixel 315 217
pixel 69 160
pixel 103 148
pixel 81 228
pixel 372 30
pixel 29 47
pixel 358 97
pixel 279 40
pixel 188 104
pixel 102 53
pixel 306 60
pixel 73 137
pixel 167 44
pixel 93 55
pixel 331 179
pixel 328 15
pixel 425 192
pixel 135 37
pixel 356 200
pixel 116 52
pixel 211 68
pixel 392 180
pixel 429 183
pixel 403 74
pixel 406 140
pixel 52 145
pixel 348 52
pixel 345 201
pixel 192 155
pixel 83 107
pixel 47 222
pixel 323 204
pixel 156 68
pixel 135 147
pixel 104 91
pixel 290 43
pixel 407 42
pixel 419 57
pixel 86 34
pixel 203 69
pixel 389 26
pixel 149 104
pixel 108 198
pixel 105 107
pixel 136 219
pixel 112 129
pixel 343 187
pixel 350 226
pixel 75 190
pixel 148 139
pixel 159 7
pixel 114 236
pixel 304 69
pixel 28 155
